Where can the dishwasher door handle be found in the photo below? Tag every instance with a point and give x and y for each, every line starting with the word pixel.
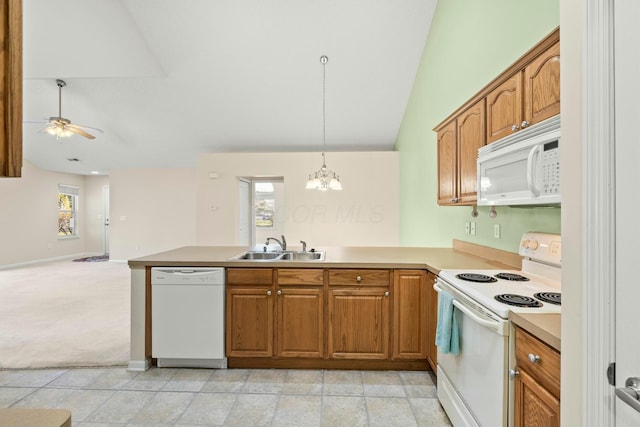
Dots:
pixel 631 393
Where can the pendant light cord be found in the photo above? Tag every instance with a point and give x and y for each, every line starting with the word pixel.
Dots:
pixel 324 59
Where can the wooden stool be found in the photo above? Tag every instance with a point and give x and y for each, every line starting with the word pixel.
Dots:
pixel 26 417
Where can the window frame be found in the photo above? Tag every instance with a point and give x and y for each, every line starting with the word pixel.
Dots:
pixel 73 192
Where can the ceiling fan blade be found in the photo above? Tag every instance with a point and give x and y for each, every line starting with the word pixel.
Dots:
pixel 85 127
pixel 78 131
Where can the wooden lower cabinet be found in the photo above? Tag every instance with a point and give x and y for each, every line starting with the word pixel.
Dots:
pixel 359 323
pixel 329 318
pixel 300 314
pixel 534 405
pixel 249 331
pixel 432 321
pixel 537 385
pixel 410 323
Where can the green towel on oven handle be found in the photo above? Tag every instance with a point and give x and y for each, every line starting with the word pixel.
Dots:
pixel 447 333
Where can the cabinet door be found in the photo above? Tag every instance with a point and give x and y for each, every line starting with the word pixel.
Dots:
pixel 447 172
pixel 534 406
pixel 504 108
pixel 542 86
pixel 300 322
pixel 471 136
pixel 358 323
pixel 410 322
pixel 432 321
pixel 249 322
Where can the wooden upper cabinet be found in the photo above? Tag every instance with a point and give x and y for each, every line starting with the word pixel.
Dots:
pixel 458 144
pixel 529 96
pixel 526 93
pixel 471 136
pixel 11 88
pixel 542 86
pixel 504 108
pixel 447 172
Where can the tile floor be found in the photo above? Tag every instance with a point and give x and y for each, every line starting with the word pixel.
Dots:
pixel 233 397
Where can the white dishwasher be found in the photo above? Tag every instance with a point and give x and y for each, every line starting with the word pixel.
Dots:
pixel 187 316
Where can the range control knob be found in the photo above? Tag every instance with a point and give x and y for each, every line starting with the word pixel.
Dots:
pixel 533 244
pixel 525 243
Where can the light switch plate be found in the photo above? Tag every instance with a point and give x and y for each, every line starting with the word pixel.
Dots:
pixel 496 231
pixel 473 228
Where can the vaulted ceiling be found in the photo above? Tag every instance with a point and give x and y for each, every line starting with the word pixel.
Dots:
pixel 168 79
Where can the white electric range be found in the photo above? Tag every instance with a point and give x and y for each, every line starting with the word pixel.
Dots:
pixel 474 386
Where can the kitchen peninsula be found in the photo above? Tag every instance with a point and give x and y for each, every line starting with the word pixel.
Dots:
pixel 393 285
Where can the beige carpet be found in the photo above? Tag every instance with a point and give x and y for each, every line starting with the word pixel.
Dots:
pixel 64 313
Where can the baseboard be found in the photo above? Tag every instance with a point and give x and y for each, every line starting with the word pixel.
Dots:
pixel 192 363
pixel 41 261
pixel 139 365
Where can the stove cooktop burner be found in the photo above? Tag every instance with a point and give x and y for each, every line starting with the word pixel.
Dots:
pixel 512 276
pixel 476 277
pixel 550 297
pixel 518 300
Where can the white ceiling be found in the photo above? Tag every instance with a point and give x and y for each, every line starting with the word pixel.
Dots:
pixel 168 79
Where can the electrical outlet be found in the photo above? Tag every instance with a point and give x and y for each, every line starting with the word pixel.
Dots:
pixel 473 228
pixel 496 231
pixel 467 227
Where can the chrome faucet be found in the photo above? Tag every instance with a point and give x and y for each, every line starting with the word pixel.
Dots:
pixel 283 243
pixel 304 245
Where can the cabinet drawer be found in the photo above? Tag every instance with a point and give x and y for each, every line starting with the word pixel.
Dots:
pixel 301 276
pixel 546 369
pixel 249 276
pixel 359 277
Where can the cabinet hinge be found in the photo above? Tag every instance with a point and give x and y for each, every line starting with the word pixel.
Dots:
pixel 611 373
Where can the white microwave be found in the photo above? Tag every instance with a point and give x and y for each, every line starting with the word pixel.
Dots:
pixel 522 168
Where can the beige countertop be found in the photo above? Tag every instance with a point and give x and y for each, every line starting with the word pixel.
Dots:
pixel 433 259
pixel 544 326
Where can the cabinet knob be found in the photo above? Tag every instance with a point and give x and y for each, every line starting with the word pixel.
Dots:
pixel 268 292
pixel 358 279
pixel 454 200
pixel 513 373
pixel 515 128
pixel 386 294
pixel 533 358
pixel 524 124
pixel 279 292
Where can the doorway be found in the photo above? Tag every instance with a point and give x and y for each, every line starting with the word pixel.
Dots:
pixel 261 209
pixel 105 215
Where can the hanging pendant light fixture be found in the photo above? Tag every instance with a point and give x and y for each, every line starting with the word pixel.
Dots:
pixel 324 178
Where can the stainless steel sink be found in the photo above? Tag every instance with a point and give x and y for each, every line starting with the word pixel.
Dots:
pixel 279 256
pixel 258 256
pixel 302 256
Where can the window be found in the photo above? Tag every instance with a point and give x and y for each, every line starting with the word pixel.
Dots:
pixel 67 210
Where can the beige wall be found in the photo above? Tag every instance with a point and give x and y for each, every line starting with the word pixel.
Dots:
pixel 152 210
pixel 366 213
pixel 28 217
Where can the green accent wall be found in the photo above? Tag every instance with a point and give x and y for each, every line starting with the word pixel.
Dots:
pixel 469 44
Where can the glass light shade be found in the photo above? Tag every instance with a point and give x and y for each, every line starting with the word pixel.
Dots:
pixel 335 184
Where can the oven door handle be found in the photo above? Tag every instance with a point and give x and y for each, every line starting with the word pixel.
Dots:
pixel 494 326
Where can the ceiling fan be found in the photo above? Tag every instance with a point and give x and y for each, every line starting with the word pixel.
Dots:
pixel 61 127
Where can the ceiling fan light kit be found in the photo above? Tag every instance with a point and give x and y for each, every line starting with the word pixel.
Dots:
pixel 324 178
pixel 61 127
